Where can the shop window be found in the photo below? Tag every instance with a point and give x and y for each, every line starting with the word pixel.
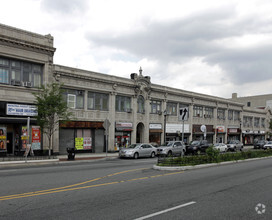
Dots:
pixel 4 75
pixel 140 102
pixel 98 101
pixel 198 111
pixel 123 104
pixel 171 108
pixel 155 107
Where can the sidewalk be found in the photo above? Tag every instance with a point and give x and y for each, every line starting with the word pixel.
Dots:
pixel 55 159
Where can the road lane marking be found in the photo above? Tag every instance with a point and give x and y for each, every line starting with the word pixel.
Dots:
pixel 166 210
pixel 69 187
pixel 65 187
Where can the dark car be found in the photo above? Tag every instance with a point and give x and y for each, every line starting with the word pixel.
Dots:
pixel 197 147
pixel 259 144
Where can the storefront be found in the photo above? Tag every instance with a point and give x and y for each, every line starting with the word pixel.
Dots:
pixel 84 136
pixel 199 135
pixel 234 134
pixel 174 132
pixel 155 132
pixel 122 134
pixel 220 134
pixel 248 137
pixel 259 135
pixel 14 134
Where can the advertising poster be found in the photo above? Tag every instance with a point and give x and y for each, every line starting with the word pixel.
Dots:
pixel 3 139
pixel 79 143
pixel 36 138
pixel 87 144
pixel 24 137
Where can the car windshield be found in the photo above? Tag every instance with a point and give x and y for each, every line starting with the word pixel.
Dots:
pixel 269 142
pixel 231 142
pixel 169 144
pixel 133 146
pixel 217 145
pixel 195 142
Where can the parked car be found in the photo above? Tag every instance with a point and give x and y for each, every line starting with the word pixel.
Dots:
pixel 259 144
pixel 172 148
pixel 235 145
pixel 221 147
pixel 154 144
pixel 268 145
pixel 138 150
pixel 197 147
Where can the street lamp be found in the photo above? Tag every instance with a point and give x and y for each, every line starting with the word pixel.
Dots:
pixel 164 137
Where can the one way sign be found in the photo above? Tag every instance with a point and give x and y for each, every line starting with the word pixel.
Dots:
pixel 183 114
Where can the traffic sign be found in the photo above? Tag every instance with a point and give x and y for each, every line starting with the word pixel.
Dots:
pixel 183 113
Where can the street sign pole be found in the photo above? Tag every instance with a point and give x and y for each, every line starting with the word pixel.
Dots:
pixel 183 131
pixel 106 125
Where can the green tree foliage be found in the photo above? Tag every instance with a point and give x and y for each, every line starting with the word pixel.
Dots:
pixel 52 108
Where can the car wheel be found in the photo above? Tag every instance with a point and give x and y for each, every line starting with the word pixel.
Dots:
pixel 169 154
pixel 136 156
pixel 152 154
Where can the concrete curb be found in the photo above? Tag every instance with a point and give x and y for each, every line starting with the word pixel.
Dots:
pixel 206 165
pixel 28 161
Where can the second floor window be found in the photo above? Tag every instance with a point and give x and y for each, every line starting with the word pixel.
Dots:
pixel 221 114
pixel 74 98
pixel 122 104
pixel 263 122
pixel 247 121
pixel 230 114
pixel 171 108
pixel 198 111
pixel 236 115
pixel 257 122
pixel 155 107
pixel 98 101
pixel 208 112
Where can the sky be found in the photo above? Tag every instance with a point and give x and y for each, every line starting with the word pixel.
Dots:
pixel 213 47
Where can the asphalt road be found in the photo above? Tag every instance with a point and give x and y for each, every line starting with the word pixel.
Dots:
pixel 131 189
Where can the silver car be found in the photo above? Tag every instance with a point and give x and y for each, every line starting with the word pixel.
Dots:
pixel 138 150
pixel 235 145
pixel 172 148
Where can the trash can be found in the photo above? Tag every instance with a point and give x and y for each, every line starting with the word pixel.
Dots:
pixel 71 153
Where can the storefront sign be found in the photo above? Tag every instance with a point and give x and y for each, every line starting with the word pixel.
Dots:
pixel 123 126
pixel 36 138
pixel 233 130
pixel 22 110
pixel 155 126
pixel 220 129
pixel 174 128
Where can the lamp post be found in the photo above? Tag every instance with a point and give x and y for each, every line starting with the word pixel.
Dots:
pixel 164 137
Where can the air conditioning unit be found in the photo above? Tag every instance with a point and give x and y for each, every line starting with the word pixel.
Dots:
pixel 27 84
pixel 15 82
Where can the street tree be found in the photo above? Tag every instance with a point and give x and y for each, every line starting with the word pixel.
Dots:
pixel 52 109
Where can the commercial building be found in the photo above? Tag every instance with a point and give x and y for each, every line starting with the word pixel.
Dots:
pixel 108 110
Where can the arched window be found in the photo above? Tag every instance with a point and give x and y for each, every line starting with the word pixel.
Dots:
pixel 141 104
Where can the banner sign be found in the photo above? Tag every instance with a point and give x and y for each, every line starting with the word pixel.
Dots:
pixel 36 138
pixel 3 139
pixel 83 143
pixel 22 110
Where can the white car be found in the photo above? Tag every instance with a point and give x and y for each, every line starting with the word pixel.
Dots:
pixel 268 145
pixel 221 147
pixel 138 150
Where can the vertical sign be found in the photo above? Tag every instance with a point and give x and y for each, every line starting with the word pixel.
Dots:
pixel 183 114
pixel 36 138
pixel 3 139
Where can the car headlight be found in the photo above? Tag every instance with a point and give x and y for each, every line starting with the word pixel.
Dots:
pixel 194 148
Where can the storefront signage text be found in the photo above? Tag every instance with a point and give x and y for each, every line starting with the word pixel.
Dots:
pixel 22 110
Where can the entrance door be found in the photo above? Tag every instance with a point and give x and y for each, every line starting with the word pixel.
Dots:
pixel 9 143
pixel 140 133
